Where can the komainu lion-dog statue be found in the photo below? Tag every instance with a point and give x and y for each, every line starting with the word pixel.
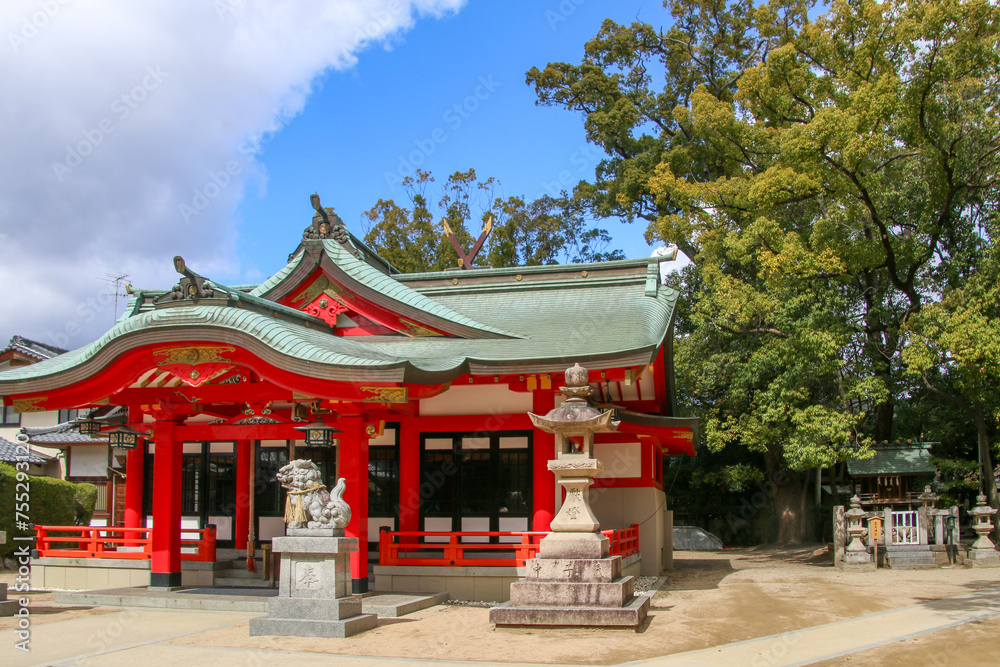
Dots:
pixel 309 504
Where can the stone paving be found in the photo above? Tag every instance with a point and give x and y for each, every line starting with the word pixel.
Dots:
pixel 141 636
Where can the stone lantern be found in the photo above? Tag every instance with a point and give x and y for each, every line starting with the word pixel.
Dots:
pixel 856 557
pixel 575 467
pixel 573 581
pixel 983 551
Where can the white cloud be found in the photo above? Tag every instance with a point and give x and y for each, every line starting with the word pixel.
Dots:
pixel 128 131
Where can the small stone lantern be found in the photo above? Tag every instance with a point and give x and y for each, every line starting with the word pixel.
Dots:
pixel 983 551
pixel 857 556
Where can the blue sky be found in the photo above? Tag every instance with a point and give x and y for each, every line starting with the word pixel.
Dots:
pixel 133 132
pixel 448 95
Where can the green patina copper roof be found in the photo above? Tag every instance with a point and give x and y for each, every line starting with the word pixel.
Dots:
pixel 391 293
pixel 898 458
pixel 529 319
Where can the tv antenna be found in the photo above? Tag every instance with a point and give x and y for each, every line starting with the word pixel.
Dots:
pixel 121 287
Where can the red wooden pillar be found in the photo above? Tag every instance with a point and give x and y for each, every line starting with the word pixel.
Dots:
pixel 165 568
pixel 134 479
pixel 543 492
pixel 409 477
pixel 244 450
pixel 353 466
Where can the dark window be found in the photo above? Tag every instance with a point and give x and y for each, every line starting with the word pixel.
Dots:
pixel 68 415
pixel 11 418
pixel 476 477
pixel 270 496
pixel 191 483
pixel 383 481
pixel 437 483
pixel 325 459
pixel 221 484
pixel 514 482
pixel 147 483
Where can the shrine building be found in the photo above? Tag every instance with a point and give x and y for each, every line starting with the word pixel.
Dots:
pixel 415 388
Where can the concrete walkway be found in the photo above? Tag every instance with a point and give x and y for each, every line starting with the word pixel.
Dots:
pixel 135 636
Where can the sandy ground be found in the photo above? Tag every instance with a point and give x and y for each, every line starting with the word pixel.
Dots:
pixel 709 599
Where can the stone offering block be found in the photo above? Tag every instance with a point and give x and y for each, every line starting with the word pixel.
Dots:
pixel 314 591
pixel 588 546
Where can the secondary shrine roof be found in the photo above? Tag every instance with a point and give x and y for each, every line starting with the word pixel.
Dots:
pixel 896 458
pixel 426 328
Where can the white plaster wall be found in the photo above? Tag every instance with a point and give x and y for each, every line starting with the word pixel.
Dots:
pixel 39 419
pixel 223 527
pixel 620 508
pixel 89 461
pixel 481 399
pixel 620 459
pixel 375 524
pixel 388 437
pixel 269 527
pixel 29 419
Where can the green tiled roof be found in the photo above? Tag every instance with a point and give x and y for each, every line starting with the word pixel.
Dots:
pixel 529 319
pixel 900 458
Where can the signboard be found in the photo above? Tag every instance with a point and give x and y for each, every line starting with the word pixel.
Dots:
pixel 875 528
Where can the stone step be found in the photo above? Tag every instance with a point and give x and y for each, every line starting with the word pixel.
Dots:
pixel 631 615
pixel 393 605
pixel 240 582
pixel 301 627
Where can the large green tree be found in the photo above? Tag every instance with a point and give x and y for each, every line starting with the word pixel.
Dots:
pixel 954 350
pixel 547 230
pixel 828 178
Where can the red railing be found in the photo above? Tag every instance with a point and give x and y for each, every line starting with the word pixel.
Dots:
pixel 115 542
pixel 624 541
pixel 449 549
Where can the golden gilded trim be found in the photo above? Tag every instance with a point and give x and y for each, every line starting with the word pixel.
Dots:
pixel 29 404
pixel 414 330
pixel 385 394
pixel 200 354
pixel 322 285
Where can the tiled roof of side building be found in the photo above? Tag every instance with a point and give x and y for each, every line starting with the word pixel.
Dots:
pixel 33 348
pixel 12 452
pixel 896 458
pixel 66 433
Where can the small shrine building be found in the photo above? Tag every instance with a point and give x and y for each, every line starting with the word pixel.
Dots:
pixel 427 378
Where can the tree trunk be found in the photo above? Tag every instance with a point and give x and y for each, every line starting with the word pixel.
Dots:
pixel 789 494
pixel 883 420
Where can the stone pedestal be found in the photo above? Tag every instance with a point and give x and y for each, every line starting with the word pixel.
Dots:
pixel 573 582
pixel 314 591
